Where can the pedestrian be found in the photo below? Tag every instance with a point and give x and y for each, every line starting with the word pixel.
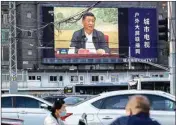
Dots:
pixel 58 111
pixel 138 112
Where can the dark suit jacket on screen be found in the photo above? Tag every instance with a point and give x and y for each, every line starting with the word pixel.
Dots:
pixel 79 39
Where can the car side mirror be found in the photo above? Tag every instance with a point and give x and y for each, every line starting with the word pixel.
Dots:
pixel 45 106
pixel 84 116
pixel 83 120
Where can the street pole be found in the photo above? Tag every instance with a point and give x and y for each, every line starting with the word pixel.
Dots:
pixel 172 27
pixel 12 49
pixel 129 57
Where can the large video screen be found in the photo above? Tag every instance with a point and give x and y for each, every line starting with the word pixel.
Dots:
pixel 106 22
pixel 122 32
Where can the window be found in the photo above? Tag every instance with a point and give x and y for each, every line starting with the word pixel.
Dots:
pixel 29 52
pixel 113 78
pixel 29 33
pixel 5 18
pixel 91 97
pixel 74 79
pixel 50 99
pixel 27 102
pixel 31 77
pixel 161 75
pixel 39 78
pixel 135 76
pixel 60 78
pixel 101 78
pixel 5 77
pixel 19 77
pixel 115 102
pixel 117 78
pixel 161 103
pixel 53 78
pixel 6 102
pixel 81 78
pixel 73 100
pixel 95 79
pixel 5 54
pixel 29 15
pixel 133 86
pixel 98 103
pixel 154 75
pixel 4 35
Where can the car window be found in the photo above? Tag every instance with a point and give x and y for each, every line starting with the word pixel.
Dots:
pixel 98 103
pixel 6 102
pixel 53 99
pixel 49 99
pixel 73 100
pixel 87 99
pixel 27 102
pixel 115 102
pixel 161 103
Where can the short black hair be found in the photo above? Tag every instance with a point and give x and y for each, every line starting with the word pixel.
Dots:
pixel 87 14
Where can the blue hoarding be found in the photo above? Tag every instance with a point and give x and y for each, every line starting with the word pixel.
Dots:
pixel 142 32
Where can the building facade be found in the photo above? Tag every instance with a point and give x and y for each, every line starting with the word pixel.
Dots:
pixel 32 73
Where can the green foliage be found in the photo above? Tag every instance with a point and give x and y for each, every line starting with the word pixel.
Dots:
pixel 107 15
pixel 103 15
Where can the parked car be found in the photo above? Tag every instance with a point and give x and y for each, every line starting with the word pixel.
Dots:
pixel 104 108
pixel 69 99
pixel 10 121
pixel 53 98
pixel 72 100
pixel 32 110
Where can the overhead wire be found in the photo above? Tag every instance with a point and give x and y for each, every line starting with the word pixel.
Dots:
pixel 71 19
pixel 63 20
pixel 67 20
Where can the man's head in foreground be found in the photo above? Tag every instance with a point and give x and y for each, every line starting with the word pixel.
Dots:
pixel 137 104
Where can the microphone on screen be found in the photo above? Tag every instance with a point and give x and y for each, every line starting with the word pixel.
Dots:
pixel 85 39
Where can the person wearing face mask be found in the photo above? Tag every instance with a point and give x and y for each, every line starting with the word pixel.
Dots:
pixel 58 111
pixel 138 112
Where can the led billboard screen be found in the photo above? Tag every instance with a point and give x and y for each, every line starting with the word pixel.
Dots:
pixel 118 26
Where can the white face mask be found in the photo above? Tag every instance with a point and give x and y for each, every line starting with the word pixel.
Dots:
pixel 62 114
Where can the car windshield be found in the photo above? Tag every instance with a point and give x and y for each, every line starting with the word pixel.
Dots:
pixel 52 99
pixel 88 98
pixel 73 100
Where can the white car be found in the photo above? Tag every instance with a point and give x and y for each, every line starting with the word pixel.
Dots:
pixel 30 109
pixel 9 121
pixel 106 107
